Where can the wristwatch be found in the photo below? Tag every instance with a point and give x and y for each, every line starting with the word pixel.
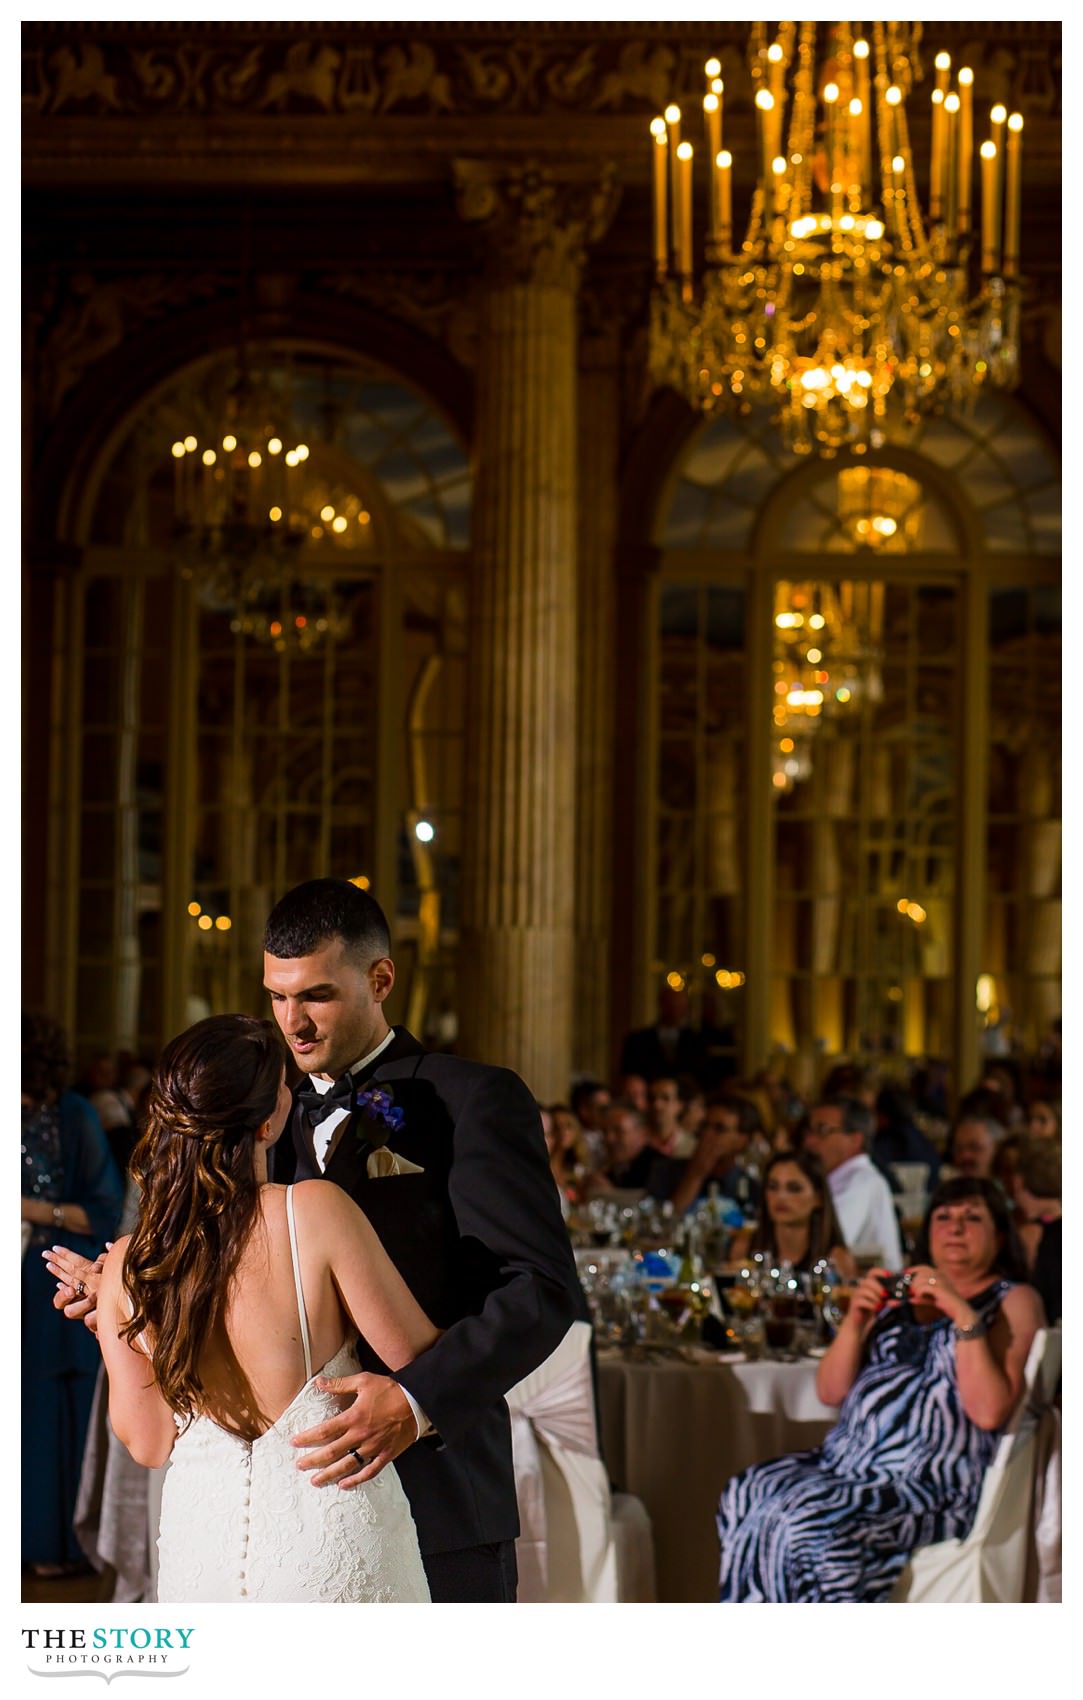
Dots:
pixel 977 1329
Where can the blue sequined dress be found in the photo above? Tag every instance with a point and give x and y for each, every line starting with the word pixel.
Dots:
pixel 902 1468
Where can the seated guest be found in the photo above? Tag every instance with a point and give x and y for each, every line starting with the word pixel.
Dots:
pixel 633 1162
pixel 974 1144
pixel 588 1102
pixel 693 1108
pixel 666 1105
pixel 1038 1190
pixel 797 1224
pixel 837 1131
pixel 1005 1172
pixel 634 1086
pixel 1043 1118
pixel 563 1138
pixel 926 1384
pixel 898 1138
pixel 851 1080
pixel 728 1126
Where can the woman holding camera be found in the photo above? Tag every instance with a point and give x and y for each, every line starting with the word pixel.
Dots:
pixel 927 1367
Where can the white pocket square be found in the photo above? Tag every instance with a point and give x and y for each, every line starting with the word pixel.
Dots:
pixel 383 1161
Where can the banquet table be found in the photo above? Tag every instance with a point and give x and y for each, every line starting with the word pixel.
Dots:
pixel 673 1432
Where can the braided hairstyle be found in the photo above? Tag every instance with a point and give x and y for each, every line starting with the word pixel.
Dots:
pixel 214 1087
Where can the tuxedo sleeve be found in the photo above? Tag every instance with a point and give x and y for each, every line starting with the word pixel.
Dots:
pixel 502 1195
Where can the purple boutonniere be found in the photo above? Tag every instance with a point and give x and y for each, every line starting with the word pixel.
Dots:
pixel 380 1115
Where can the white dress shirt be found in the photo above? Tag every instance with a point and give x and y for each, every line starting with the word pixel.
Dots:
pixel 862 1200
pixel 321 1140
pixel 321 1135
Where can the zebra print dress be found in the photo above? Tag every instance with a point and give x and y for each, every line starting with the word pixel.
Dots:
pixel 902 1468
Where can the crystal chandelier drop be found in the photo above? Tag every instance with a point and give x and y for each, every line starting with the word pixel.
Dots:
pixel 843 297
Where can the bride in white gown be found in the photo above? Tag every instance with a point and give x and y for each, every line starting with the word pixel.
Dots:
pixel 211 1315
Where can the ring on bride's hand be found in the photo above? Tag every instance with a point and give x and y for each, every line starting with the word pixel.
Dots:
pixel 80 1289
pixel 360 1460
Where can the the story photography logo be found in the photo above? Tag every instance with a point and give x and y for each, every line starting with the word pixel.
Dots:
pixel 108 1650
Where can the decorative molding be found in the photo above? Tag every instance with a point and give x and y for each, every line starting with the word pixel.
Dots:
pixel 110 71
pixel 537 225
pixel 434 302
pixel 84 317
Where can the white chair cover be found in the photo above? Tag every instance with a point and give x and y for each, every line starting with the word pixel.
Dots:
pixel 991 1564
pixel 567 1550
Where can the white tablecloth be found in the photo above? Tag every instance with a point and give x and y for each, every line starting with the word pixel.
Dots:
pixel 673 1433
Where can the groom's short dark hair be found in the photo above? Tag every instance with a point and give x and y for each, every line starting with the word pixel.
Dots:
pixel 319 910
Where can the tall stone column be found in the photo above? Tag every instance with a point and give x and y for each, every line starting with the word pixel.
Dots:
pixel 598 448
pixel 518 890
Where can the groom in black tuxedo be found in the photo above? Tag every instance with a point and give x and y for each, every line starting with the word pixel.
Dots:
pixel 447 1160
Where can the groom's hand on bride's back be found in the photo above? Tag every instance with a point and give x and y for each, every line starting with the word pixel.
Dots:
pixel 378 1424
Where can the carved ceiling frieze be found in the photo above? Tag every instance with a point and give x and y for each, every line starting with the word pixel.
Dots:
pixel 106 71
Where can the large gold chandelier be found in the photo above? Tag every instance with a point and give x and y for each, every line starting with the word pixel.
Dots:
pixel 842 296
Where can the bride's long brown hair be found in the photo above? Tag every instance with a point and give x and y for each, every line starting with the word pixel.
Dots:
pixel 215 1085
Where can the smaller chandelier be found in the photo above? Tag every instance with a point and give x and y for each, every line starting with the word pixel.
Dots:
pixel 248 496
pixel 828 646
pixel 841 297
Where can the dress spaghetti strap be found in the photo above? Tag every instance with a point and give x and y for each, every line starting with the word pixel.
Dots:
pixel 297 1283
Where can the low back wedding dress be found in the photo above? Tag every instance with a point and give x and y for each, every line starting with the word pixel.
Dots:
pixel 240 1522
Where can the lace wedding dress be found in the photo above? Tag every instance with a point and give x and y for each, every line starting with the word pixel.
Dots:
pixel 241 1522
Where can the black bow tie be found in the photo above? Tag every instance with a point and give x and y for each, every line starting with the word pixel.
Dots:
pixel 318 1105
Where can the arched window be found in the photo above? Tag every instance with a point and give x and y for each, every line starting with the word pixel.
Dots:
pixel 845 648
pixel 247 713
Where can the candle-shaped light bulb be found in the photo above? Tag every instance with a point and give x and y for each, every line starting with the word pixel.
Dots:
pixel 778 172
pixel 673 131
pixel 990 210
pixel 998 114
pixel 765 102
pixel 684 217
pixel 1013 195
pixel 943 64
pixel 966 148
pixel 830 99
pixel 937 168
pixel 724 163
pixel 661 209
pixel 774 52
pixel 712 113
pixel 861 48
pixel 713 68
pixel 951 161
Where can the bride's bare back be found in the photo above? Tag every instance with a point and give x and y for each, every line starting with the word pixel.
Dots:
pixel 254 1367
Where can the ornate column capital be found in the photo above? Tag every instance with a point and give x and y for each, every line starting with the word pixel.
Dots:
pixel 537 222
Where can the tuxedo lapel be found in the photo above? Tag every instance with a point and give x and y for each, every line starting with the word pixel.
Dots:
pixel 347 1161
